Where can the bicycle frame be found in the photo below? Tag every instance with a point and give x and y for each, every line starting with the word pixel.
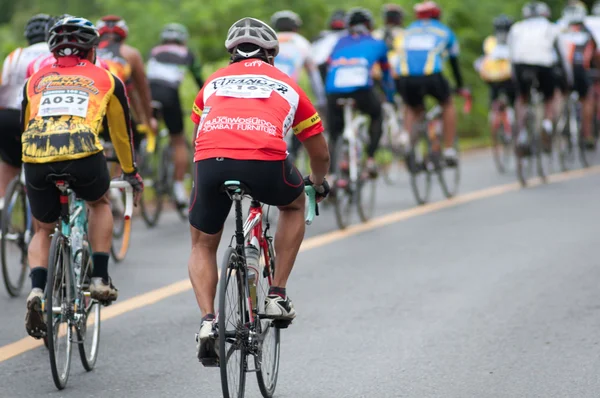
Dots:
pixel 500 116
pixel 352 126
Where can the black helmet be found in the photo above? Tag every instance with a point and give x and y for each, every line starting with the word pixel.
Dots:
pixel 502 23
pixel 35 29
pixel 337 20
pixel 360 16
pixel 72 36
pixel 392 14
pixel 286 21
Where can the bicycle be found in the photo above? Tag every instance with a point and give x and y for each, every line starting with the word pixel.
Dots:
pixel 17 231
pixel 502 124
pixel 246 274
pixel 425 156
pixel 68 306
pixel 394 141
pixel 354 187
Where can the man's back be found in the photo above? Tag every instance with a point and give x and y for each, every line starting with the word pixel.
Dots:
pixel 531 42
pixel 168 63
pixel 111 53
pixel 294 50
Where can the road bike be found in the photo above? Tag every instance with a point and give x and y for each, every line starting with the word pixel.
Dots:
pixel 243 331
pixel 17 231
pixel 394 141
pixel 502 125
pixel 425 157
pixel 72 316
pixel 354 187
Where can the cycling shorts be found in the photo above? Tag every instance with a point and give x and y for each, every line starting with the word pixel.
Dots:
pixel 171 112
pixel 414 89
pixel 11 150
pixel 546 77
pixel 276 183
pixel 367 101
pixel 506 87
pixel 91 183
pixel 581 81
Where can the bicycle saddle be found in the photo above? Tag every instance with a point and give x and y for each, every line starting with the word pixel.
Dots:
pixel 60 177
pixel 234 186
pixel 346 101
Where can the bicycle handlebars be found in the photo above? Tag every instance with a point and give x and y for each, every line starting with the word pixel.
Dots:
pixel 312 208
pixel 128 196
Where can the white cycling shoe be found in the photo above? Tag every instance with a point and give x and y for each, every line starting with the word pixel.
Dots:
pixel 279 308
pixel 206 344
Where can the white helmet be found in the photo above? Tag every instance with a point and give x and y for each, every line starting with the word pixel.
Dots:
pixel 536 9
pixel 575 13
pixel 252 31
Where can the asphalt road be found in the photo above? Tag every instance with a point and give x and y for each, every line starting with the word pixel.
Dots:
pixel 495 295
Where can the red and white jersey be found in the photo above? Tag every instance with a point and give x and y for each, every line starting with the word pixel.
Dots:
pixel 245 110
pixel 14 73
pixel 49 59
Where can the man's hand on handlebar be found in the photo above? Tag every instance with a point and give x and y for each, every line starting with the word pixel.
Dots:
pixel 321 190
pixel 137 183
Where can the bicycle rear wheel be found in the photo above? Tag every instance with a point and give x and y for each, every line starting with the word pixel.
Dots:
pixel 502 149
pixel 267 360
pixel 15 237
pixel 417 163
pixel 57 305
pixel 344 192
pixel 232 349
pixel 365 195
pixel 449 175
pixel 88 327
pixel 121 226
pixel 151 200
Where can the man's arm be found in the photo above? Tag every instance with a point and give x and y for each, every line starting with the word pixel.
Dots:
pixel 140 82
pixel 119 126
pixel 24 108
pixel 195 67
pixel 453 51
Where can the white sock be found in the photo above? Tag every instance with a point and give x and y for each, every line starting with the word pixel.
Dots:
pixel 179 191
pixel 547 125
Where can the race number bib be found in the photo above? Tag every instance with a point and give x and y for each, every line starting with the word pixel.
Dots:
pixel 244 91
pixel 351 76
pixel 420 42
pixel 64 102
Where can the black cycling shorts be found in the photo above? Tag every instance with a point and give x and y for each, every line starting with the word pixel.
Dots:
pixel 276 183
pixel 11 149
pixel 366 101
pixel 414 89
pixel 171 107
pixel 506 87
pixel 91 183
pixel 581 81
pixel 546 77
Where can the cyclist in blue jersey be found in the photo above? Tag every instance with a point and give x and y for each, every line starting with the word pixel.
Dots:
pixel 349 76
pixel 425 45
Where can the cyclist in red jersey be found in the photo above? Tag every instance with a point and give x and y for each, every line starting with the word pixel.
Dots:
pixel 241 116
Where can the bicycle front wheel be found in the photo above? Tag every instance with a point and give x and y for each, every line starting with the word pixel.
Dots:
pixel 417 163
pixel 57 303
pixel 151 199
pixel 365 195
pixel 232 327
pixel 121 226
pixel 88 327
pixel 344 194
pixel 449 175
pixel 15 237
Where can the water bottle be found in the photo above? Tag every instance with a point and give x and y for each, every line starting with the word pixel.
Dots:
pixel 252 262
pixel 76 245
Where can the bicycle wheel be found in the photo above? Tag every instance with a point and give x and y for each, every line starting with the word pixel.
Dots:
pixel 525 161
pixel 563 143
pixel 449 175
pixel 417 163
pixel 15 237
pixel 151 200
pixel 267 360
pixel 502 149
pixel 88 326
pixel 232 349
pixel 539 157
pixel 57 305
pixel 365 195
pixel 344 193
pixel 121 226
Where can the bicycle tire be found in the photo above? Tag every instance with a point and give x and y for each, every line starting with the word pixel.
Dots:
pixel 343 197
pixel 121 233
pixel 267 378
pixel 58 283
pixel 449 176
pixel 15 187
pixel 229 273
pixel 365 196
pixel 539 158
pixel 88 354
pixel 417 164
pixel 501 149
pixel 150 207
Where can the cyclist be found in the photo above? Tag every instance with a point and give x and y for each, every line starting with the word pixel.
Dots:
pixel 349 76
pixel 64 139
pixel 11 89
pixel 240 116
pixel 534 53
pixel 494 66
pixel 426 42
pixel 295 54
pixel 592 22
pixel 166 70
pixel 393 20
pixel 127 64
pixel 579 45
pixel 323 44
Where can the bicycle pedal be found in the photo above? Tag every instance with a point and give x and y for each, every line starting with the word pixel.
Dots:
pixel 281 324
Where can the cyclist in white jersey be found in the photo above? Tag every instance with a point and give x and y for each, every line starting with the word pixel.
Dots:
pixel 14 71
pixel 323 44
pixel 295 55
pixel 532 44
pixel 592 22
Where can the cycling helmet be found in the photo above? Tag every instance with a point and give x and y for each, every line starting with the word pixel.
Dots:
pixel 251 31
pixel 536 9
pixel 113 24
pixel 360 16
pixel 392 14
pixel 35 29
pixel 72 36
pixel 574 13
pixel 175 32
pixel 427 10
pixel 337 20
pixel 286 21
pixel 502 23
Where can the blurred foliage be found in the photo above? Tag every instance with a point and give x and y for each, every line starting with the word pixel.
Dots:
pixel 208 23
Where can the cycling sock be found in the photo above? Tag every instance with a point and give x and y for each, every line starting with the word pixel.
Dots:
pixel 279 291
pixel 100 270
pixel 38 277
pixel 208 317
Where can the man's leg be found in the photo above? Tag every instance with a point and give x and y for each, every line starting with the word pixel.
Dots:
pixel 587 105
pixel 181 162
pixel 202 268
pixel 368 102
pixel 289 236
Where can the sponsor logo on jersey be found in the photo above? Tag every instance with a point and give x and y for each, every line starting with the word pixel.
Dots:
pixel 55 80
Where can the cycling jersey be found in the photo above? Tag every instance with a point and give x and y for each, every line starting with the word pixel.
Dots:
pixel 322 47
pixel 392 38
pixel 494 65
pixel 110 52
pixel 168 63
pixel 49 59
pixel 14 72
pixel 245 109
pixel 532 42
pixel 592 23
pixel 424 47
pixel 63 110
pixel 579 45
pixel 351 62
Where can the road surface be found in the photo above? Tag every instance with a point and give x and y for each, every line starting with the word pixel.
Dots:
pixel 494 294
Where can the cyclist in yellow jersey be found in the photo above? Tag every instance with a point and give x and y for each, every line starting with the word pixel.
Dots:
pixel 391 33
pixel 62 111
